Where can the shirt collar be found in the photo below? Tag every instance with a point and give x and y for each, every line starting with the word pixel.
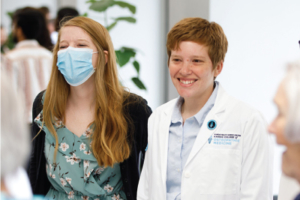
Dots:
pixel 176 116
pixel 27 43
pixel 208 105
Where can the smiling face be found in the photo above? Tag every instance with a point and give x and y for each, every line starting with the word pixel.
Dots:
pixel 72 36
pixel 291 157
pixel 192 72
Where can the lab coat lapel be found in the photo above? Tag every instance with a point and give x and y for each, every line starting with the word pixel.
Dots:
pixel 164 138
pixel 204 133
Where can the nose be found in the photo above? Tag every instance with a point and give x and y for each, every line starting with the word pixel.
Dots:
pixel 186 68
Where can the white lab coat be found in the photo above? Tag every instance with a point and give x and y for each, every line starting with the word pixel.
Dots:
pixel 240 170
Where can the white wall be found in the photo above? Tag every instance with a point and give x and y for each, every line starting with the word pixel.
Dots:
pixel 148 36
pixel 263 36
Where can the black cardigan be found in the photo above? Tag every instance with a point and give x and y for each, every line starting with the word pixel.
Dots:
pixel 139 113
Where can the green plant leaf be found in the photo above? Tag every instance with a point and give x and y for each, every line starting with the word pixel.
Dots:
pixel 124 54
pixel 85 14
pixel 10 14
pixel 128 19
pixel 138 83
pixel 101 6
pixel 123 4
pixel 10 41
pixel 136 66
pixel 111 26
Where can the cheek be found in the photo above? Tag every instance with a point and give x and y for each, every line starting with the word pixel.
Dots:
pixel 173 69
pixel 95 60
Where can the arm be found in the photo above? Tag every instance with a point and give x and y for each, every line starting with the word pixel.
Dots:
pixel 37 163
pixel 256 174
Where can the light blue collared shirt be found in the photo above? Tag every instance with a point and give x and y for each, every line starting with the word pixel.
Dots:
pixel 181 141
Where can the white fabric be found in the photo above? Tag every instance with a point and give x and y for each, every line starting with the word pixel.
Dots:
pixel 29 67
pixel 18 184
pixel 288 188
pixel 214 170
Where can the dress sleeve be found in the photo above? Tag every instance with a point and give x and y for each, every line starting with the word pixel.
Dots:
pixel 37 164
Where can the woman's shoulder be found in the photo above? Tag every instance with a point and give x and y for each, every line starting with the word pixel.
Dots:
pixel 136 104
pixel 38 99
pixel 38 104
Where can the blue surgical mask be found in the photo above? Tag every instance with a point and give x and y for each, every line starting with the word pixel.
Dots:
pixel 75 64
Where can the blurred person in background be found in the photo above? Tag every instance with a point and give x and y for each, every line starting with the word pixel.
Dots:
pixel 37 29
pixel 50 22
pixel 3 38
pixel 286 125
pixel 67 13
pixel 28 65
pixel 15 144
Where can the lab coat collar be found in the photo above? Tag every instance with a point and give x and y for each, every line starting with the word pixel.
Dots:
pixel 215 114
pixel 218 109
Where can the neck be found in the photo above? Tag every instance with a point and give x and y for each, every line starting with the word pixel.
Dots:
pixel 192 106
pixel 21 38
pixel 83 96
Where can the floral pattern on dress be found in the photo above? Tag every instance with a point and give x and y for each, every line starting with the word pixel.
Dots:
pixel 71 195
pixel 116 197
pixel 64 146
pixel 73 159
pixel 82 147
pixel 88 132
pixel 75 174
pixel 108 188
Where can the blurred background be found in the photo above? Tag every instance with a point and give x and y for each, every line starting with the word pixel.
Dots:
pixel 263 36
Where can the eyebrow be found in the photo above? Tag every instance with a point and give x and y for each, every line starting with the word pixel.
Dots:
pixel 84 40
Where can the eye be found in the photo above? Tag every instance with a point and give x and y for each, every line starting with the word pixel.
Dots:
pixel 197 61
pixel 175 59
pixel 81 45
pixel 62 47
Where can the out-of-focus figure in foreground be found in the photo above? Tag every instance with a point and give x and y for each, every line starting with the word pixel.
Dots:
pixel 286 125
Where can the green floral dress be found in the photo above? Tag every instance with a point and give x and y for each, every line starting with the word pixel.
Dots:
pixel 76 173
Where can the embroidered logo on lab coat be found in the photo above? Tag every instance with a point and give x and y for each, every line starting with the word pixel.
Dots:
pixel 226 139
pixel 212 124
pixel 209 139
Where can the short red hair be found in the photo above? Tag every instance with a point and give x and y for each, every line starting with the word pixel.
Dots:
pixel 209 34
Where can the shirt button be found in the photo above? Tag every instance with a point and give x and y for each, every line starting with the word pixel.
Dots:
pixel 187 175
pixel 178 170
pixel 179 141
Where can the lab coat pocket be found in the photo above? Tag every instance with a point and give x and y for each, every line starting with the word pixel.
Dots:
pixel 219 171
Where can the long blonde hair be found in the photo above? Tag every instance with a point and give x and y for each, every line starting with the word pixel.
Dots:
pixel 109 140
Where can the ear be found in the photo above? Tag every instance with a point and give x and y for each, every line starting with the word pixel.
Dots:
pixel 106 56
pixel 218 69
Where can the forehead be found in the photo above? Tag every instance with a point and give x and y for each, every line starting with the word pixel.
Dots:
pixel 70 33
pixel 190 48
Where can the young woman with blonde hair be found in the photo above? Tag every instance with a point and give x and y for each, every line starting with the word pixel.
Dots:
pixel 90 133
